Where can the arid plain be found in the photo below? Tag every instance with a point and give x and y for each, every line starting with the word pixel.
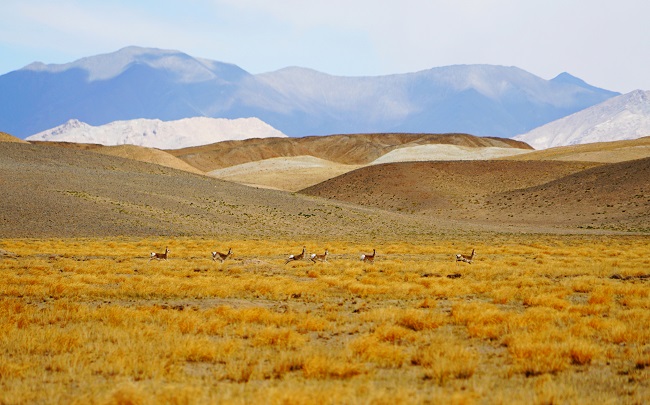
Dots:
pixel 554 308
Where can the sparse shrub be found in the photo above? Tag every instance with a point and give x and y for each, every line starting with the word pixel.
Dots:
pixel 444 362
pixel 582 352
pixel 383 354
pixel 418 320
pixel 280 338
pixel 325 367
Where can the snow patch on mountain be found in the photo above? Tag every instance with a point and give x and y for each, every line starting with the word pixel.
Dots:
pixel 619 118
pixel 160 134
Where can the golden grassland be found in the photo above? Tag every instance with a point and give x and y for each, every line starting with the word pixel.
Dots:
pixel 535 319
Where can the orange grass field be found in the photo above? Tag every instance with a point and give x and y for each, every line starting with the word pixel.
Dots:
pixel 534 320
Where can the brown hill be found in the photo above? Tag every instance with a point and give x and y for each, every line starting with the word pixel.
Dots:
pixel 438 186
pixel 5 137
pixel 149 155
pixel 504 193
pixel 604 152
pixel 614 196
pixel 50 191
pixel 140 153
pixel 357 149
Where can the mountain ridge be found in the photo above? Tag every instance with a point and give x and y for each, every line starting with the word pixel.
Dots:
pixel 134 82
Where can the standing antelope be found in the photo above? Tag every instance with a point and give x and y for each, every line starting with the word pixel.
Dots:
pixel 368 257
pixel 159 256
pixel 296 257
pixel 465 258
pixel 321 258
pixel 221 256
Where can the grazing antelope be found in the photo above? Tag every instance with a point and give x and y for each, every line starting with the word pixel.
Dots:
pixel 368 257
pixel 296 257
pixel 321 258
pixel 465 258
pixel 159 256
pixel 221 256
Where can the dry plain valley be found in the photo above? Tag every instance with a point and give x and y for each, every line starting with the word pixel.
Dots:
pixel 554 307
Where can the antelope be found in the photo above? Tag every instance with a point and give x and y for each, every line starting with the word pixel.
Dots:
pixel 368 257
pixel 159 256
pixel 221 256
pixel 316 257
pixel 465 258
pixel 296 257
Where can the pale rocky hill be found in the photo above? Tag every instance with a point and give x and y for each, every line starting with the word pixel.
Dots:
pixel 619 118
pixel 159 134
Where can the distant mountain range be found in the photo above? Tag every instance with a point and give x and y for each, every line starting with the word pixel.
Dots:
pixel 619 118
pixel 137 83
pixel 155 133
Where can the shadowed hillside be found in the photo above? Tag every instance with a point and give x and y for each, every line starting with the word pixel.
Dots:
pixel 438 186
pixel 614 196
pixel 538 193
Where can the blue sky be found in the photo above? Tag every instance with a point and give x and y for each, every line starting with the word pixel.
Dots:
pixel 603 42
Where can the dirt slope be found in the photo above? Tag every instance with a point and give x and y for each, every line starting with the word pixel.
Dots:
pixel 50 191
pixel 134 152
pixel 537 193
pixel 358 149
pixel 434 186
pixel 614 196
pixel 5 137
pixel 149 155
pixel 604 152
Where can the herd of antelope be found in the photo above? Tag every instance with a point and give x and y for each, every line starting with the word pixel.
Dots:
pixel 314 257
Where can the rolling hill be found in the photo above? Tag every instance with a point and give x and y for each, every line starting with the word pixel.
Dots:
pixel 356 149
pixel 85 190
pixel 506 194
pixel 52 191
pixel 614 196
pixel 295 163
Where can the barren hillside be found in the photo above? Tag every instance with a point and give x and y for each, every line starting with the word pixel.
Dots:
pixel 344 149
pixel 614 196
pixel 50 191
pixel 604 152
pixel 438 186
pixel 504 192
pixel 134 152
pixel 5 137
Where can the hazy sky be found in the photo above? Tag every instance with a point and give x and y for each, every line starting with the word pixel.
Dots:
pixel 604 42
